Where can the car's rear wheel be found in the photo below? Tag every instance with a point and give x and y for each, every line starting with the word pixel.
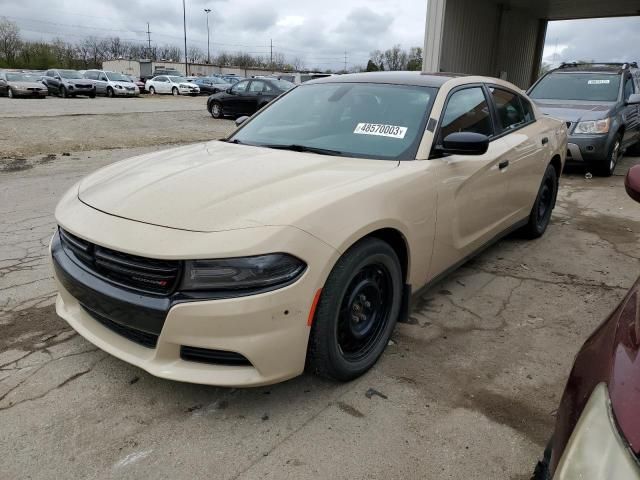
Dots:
pixel 175 92
pixel 606 168
pixel 109 92
pixel 216 110
pixel 357 311
pixel 152 91
pixel 545 201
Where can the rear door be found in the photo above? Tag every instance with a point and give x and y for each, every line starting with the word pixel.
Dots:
pixel 473 190
pixel 529 146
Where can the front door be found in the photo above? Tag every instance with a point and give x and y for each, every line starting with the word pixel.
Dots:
pixel 631 114
pixel 472 190
pixel 233 103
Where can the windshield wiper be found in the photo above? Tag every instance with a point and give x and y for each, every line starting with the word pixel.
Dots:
pixel 304 148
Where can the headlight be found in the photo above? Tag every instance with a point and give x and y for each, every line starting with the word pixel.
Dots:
pixel 119 87
pixel 260 271
pixel 183 86
pixel 594 126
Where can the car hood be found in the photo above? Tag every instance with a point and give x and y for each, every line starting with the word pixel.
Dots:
pixel 574 111
pixel 124 84
pixel 188 84
pixel 219 186
pixel 26 84
pixel 79 81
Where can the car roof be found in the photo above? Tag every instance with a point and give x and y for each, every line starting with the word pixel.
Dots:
pixel 399 78
pixel 613 68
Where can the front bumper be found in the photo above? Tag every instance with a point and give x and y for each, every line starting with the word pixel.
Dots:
pixel 588 148
pixel 125 93
pixel 269 329
pixel 43 92
pixel 596 450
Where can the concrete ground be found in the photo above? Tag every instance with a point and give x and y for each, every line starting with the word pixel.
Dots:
pixel 467 389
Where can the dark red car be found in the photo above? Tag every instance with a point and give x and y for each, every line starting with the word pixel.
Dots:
pixel 597 433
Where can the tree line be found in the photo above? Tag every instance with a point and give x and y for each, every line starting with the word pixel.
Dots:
pixel 91 51
pixel 395 58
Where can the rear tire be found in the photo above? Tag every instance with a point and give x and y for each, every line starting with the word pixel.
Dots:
pixel 357 311
pixel 608 167
pixel 545 201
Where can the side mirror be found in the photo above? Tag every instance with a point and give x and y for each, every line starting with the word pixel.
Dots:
pixel 229 91
pixel 58 77
pixel 241 120
pixel 634 99
pixel 465 143
pixel 632 183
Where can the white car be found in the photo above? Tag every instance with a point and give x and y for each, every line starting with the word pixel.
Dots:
pixel 171 84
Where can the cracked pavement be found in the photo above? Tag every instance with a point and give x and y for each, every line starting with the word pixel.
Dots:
pixel 471 382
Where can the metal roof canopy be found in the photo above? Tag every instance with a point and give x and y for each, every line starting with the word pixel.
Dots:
pixel 503 38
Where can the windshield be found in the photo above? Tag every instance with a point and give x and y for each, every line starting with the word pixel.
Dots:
pixel 351 119
pixel 177 79
pixel 71 74
pixel 597 87
pixel 118 77
pixel 22 77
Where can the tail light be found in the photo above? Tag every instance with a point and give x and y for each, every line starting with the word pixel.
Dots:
pixel 624 384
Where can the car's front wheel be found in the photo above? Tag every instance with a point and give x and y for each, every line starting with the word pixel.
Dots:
pixel 357 311
pixel 10 93
pixel 110 92
pixel 216 110
pixel 175 92
pixel 152 91
pixel 606 168
pixel 541 212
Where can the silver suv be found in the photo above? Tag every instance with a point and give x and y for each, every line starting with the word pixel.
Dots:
pixel 112 84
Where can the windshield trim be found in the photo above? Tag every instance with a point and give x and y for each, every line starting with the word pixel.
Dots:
pixel 411 151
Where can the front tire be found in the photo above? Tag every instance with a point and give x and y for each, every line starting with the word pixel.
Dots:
pixel 216 110
pixel 606 168
pixel 545 201
pixel 357 311
pixel 152 91
pixel 110 92
pixel 10 93
pixel 63 92
pixel 175 92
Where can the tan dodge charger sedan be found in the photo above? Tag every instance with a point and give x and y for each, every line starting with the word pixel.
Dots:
pixel 299 240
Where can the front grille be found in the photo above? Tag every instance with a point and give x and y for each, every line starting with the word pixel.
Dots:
pixel 78 85
pixel 140 273
pixel 216 357
pixel 145 339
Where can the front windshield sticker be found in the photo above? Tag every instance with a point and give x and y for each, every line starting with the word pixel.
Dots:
pixel 598 82
pixel 379 130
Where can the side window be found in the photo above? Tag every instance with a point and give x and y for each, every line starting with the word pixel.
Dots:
pixel 467 111
pixel 161 79
pixel 628 88
pixel 529 116
pixel 49 73
pixel 510 112
pixel 256 87
pixel 240 87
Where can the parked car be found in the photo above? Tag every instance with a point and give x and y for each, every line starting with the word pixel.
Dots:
pixel 210 85
pixel 597 433
pixel 300 239
pixel 601 105
pixel 16 84
pixel 162 71
pixel 112 84
pixel 246 97
pixel 68 83
pixel 139 83
pixel 231 78
pixel 299 78
pixel 171 84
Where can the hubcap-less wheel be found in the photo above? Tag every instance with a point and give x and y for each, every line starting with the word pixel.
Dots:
pixel 545 203
pixel 356 311
pixel 613 160
pixel 10 93
pixel 175 92
pixel 541 212
pixel 152 91
pixel 364 311
pixel 110 92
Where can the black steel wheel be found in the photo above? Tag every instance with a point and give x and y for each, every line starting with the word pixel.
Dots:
pixel 357 311
pixel 540 215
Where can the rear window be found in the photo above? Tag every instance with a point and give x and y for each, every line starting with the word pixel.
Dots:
pixel 595 87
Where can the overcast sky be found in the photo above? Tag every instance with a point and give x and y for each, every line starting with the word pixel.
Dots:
pixel 317 31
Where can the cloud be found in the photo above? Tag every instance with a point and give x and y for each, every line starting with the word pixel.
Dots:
pixel 257 21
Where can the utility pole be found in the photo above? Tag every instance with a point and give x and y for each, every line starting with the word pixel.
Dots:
pixel 271 57
pixel 208 11
pixel 149 41
pixel 345 61
pixel 184 24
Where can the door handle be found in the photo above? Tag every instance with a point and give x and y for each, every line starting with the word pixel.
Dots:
pixel 503 165
pixel 545 140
